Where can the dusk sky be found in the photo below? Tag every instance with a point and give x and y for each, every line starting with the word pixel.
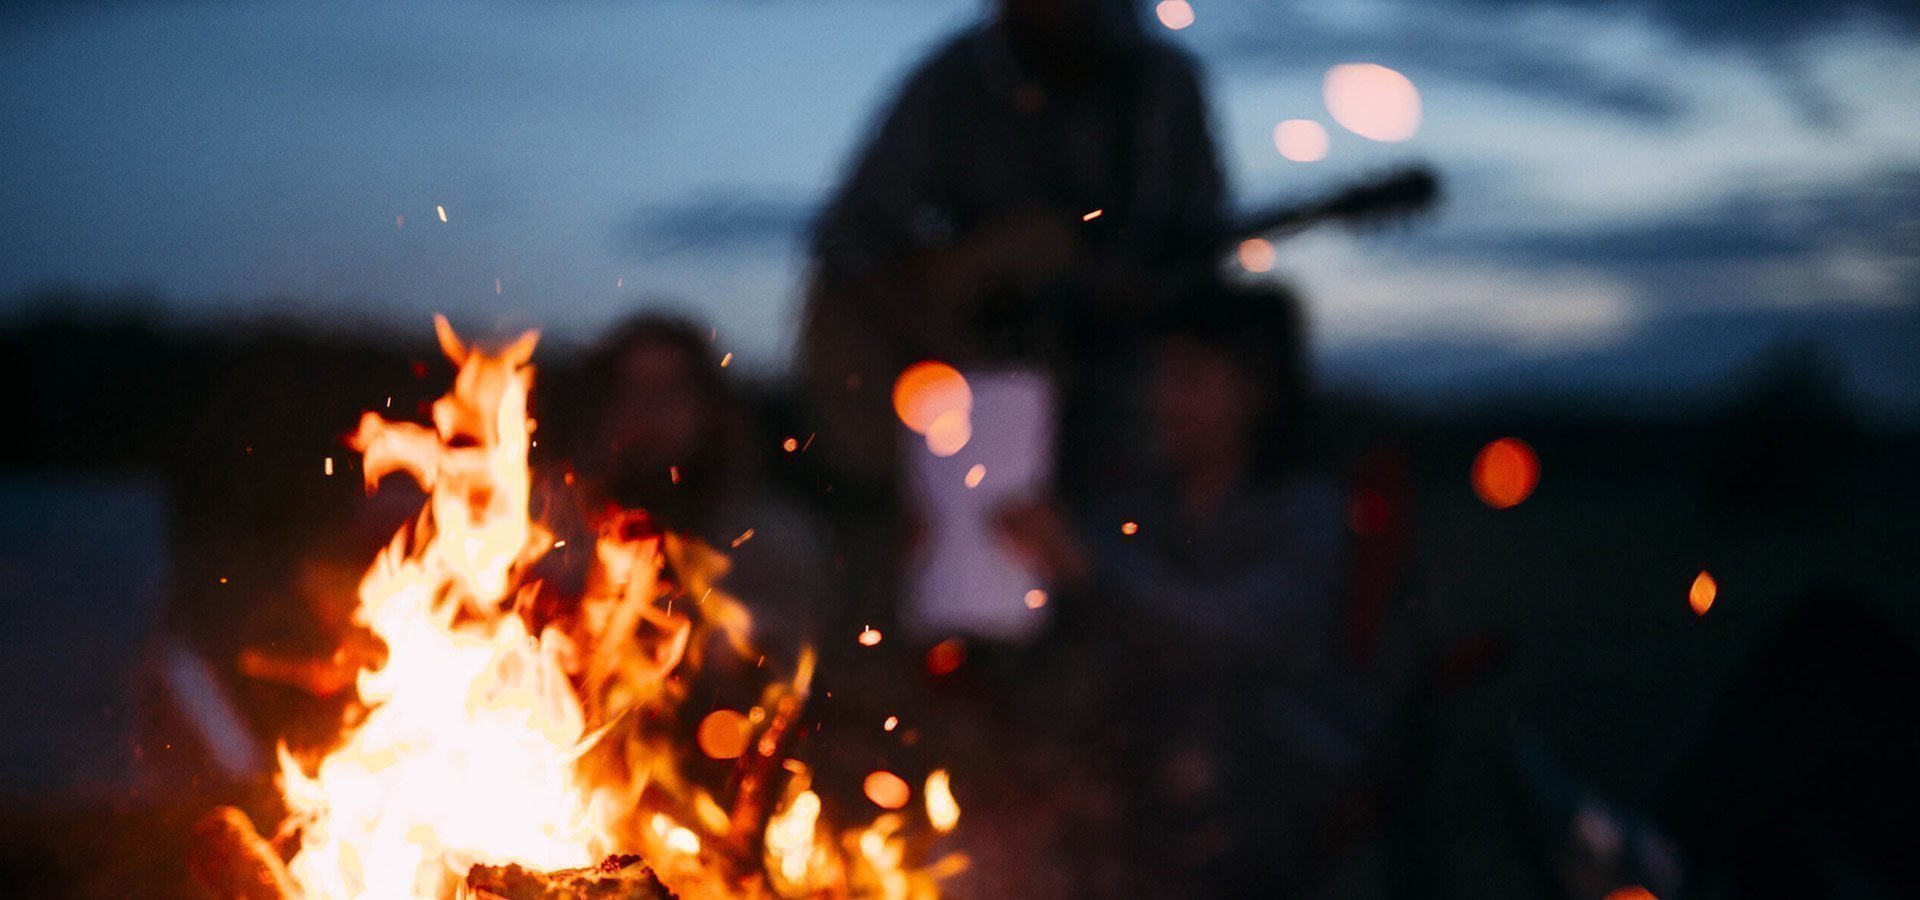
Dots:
pixel 1638 194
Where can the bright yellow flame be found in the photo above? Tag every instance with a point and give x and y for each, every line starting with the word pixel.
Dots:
pixel 795 855
pixel 1372 101
pixel 1301 140
pixel 1175 14
pixel 946 657
pixel 942 810
pixel 1700 596
pixel 466 751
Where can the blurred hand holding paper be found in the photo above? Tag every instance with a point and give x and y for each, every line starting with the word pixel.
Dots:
pixel 963 580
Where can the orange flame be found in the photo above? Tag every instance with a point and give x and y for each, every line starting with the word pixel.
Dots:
pixel 1700 595
pixel 484 738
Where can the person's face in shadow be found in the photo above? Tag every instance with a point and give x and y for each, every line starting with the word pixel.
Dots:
pixel 658 415
pixel 1203 406
pixel 1059 41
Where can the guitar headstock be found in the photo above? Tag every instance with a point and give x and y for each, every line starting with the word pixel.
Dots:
pixel 1399 194
pixel 1396 195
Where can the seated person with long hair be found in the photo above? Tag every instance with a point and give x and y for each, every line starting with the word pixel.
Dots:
pixel 1215 588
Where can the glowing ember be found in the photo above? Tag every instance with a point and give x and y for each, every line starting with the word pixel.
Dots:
pixel 1700 595
pixel 1505 472
pixel 1092 215
pixel 869 637
pixel 442 211
pixel 1130 528
pixel 945 657
pixel 887 790
pixel 890 724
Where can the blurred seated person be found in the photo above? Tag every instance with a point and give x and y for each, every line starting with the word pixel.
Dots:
pixel 669 434
pixel 1217 587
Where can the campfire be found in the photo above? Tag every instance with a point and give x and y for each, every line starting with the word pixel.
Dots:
pixel 512 742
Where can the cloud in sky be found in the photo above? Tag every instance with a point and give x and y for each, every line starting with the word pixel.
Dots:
pixel 1611 166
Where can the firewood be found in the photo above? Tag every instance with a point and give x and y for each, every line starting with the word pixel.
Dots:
pixel 231 861
pixel 619 877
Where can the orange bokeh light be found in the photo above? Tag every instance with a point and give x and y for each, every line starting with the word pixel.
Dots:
pixel 1301 140
pixel 1372 101
pixel 1175 14
pixel 1700 595
pixel 949 433
pixel 887 790
pixel 1256 255
pixel 945 657
pixel 1505 473
pixel 1630 892
pixel 724 733
pixel 1036 598
pixel 926 391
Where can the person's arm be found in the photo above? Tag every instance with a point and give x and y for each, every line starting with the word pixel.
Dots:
pixel 1281 592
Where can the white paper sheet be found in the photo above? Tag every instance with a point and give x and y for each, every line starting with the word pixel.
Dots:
pixel 962 581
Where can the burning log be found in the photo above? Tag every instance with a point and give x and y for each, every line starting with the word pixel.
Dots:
pixel 233 862
pixel 618 877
